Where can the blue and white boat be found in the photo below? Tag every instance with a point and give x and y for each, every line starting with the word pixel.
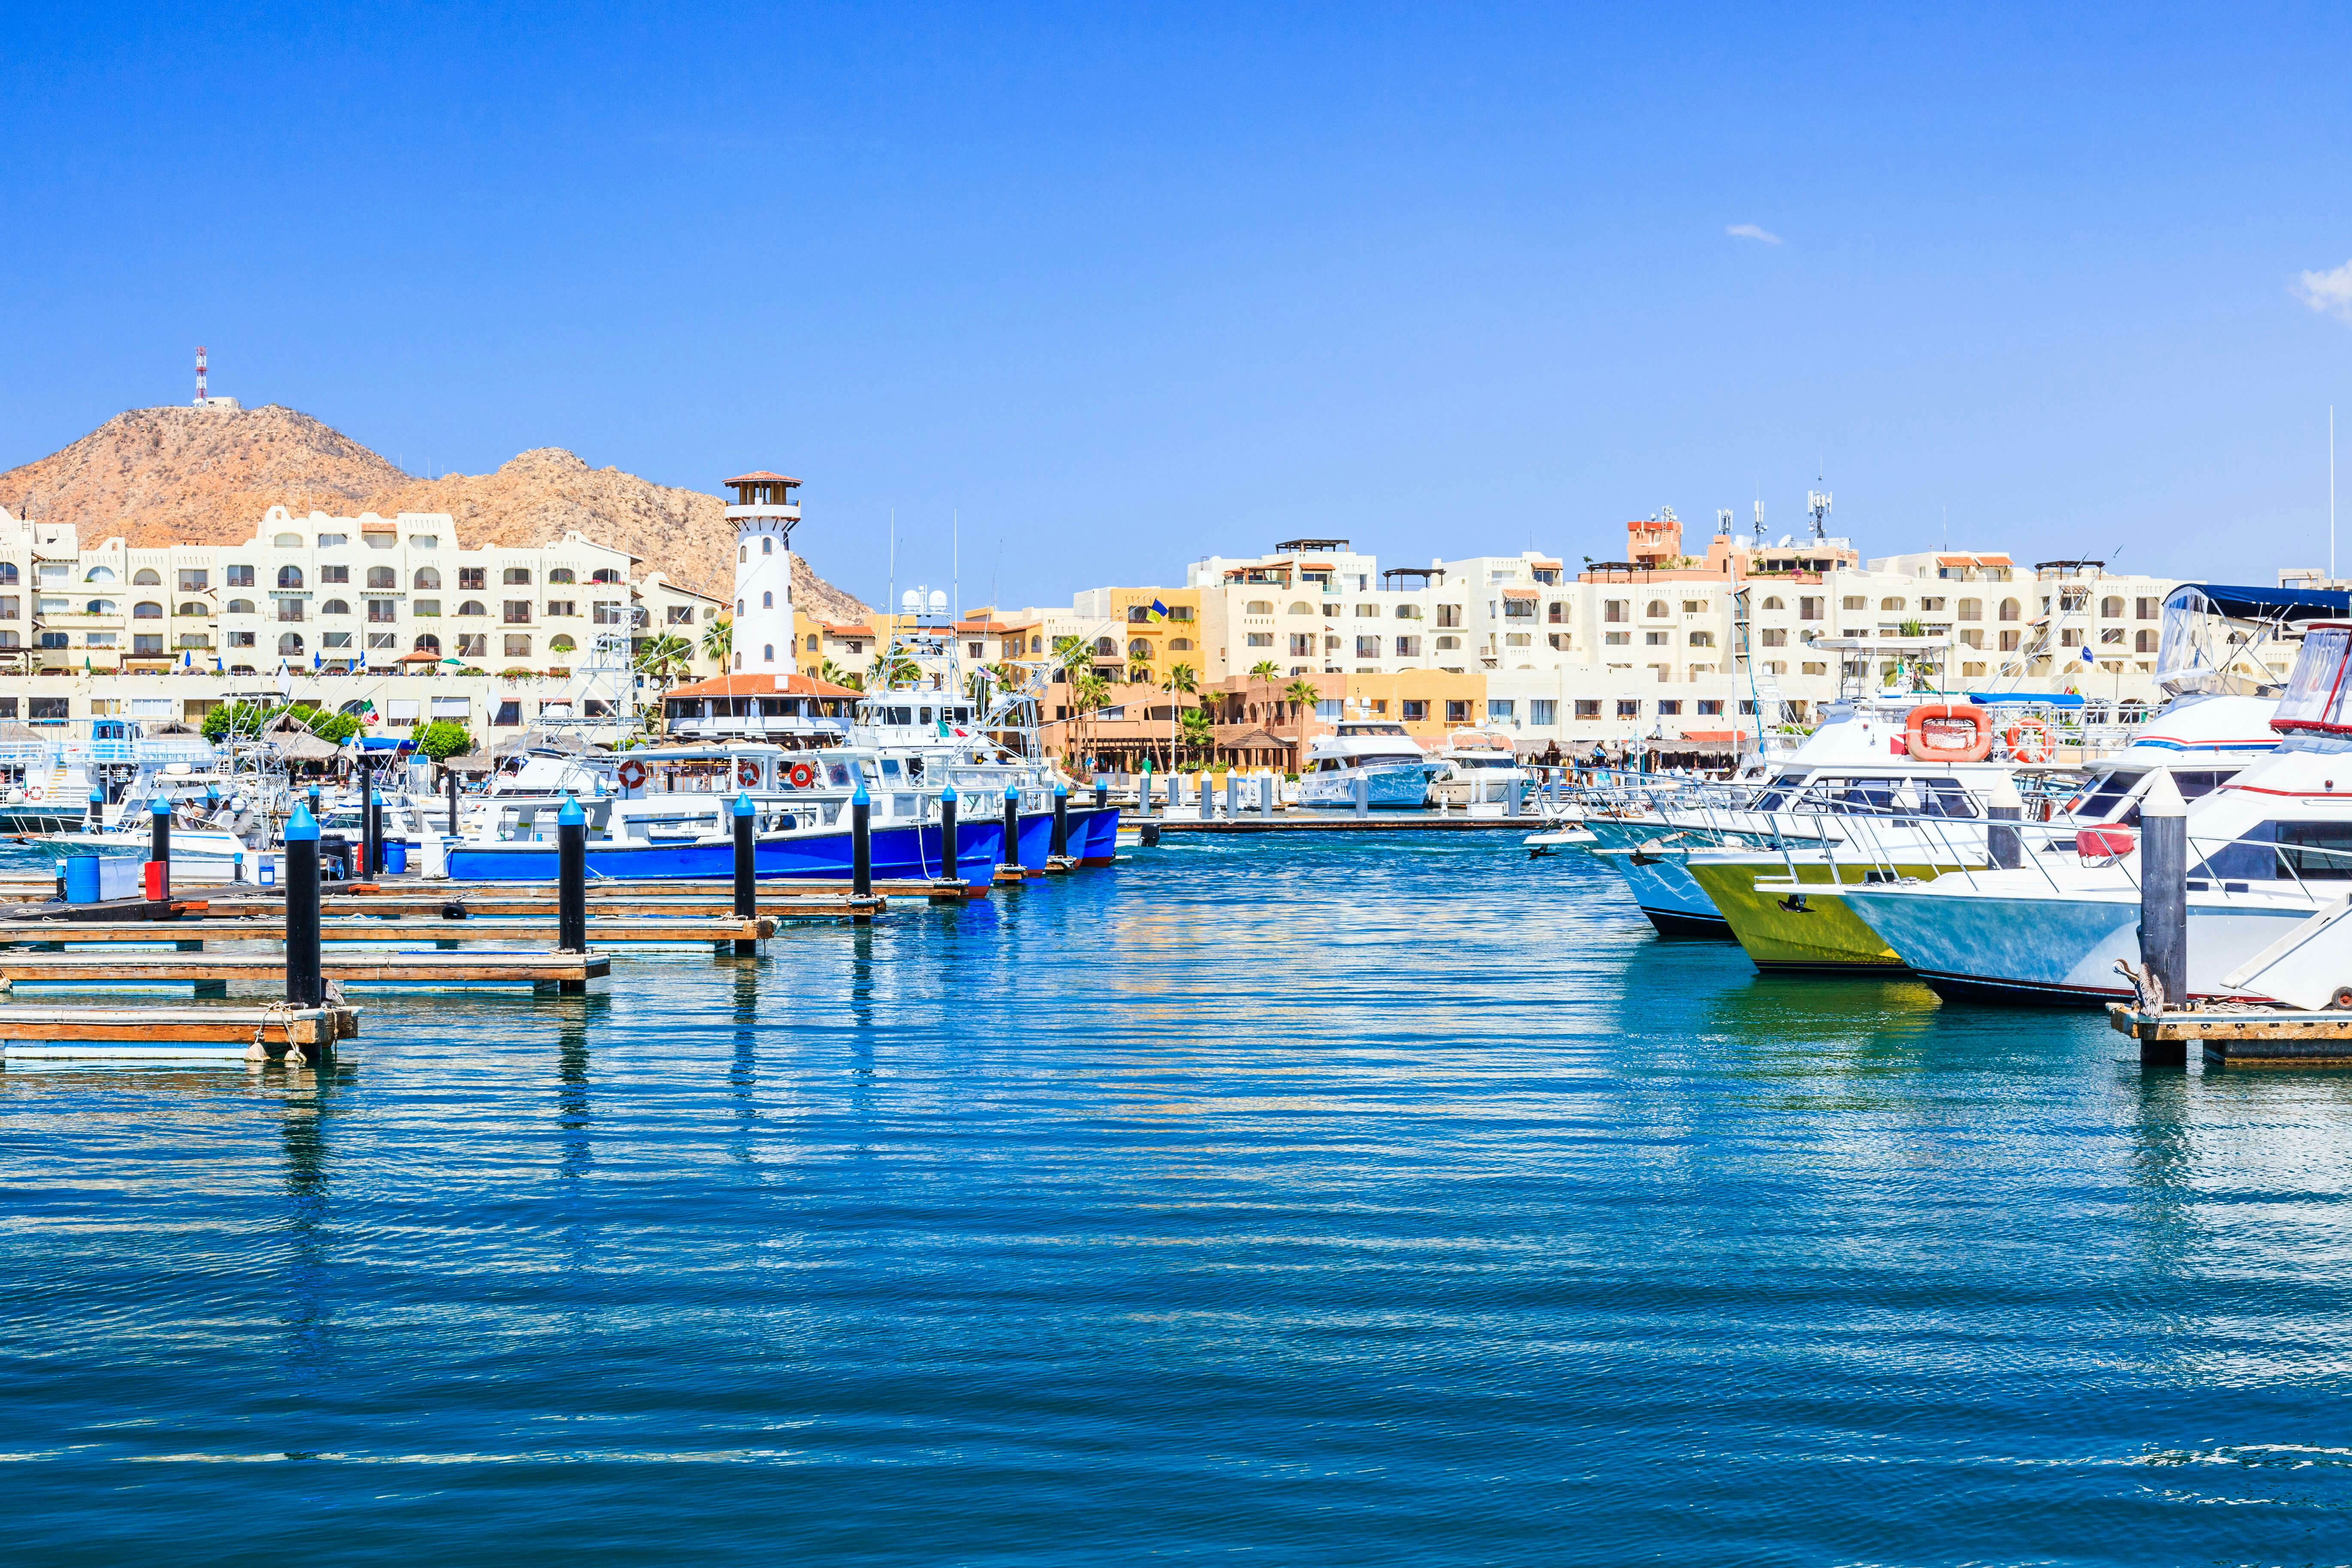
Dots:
pixel 1397 772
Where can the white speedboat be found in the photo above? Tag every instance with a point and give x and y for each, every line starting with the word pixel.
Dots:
pixel 1396 771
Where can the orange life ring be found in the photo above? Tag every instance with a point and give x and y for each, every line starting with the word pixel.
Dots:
pixel 1948 733
pixel 632 774
pixel 747 772
pixel 803 776
pixel 2031 741
pixel 36 793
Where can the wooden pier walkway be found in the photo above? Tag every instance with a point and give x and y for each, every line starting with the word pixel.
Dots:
pixel 2275 1036
pixel 173 1034
pixel 701 931
pixel 1299 822
pixel 213 971
pixel 424 903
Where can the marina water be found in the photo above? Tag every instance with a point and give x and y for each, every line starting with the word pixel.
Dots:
pixel 1328 1200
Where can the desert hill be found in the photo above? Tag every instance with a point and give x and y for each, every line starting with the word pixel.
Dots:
pixel 205 476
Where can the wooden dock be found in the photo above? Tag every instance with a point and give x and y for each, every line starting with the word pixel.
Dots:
pixel 1156 827
pixel 701 931
pixel 536 969
pixel 512 902
pixel 2275 1036
pixel 293 1035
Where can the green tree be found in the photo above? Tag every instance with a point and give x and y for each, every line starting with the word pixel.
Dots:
pixel 1302 695
pixel 718 641
pixel 1200 734
pixel 665 660
pixel 1087 693
pixel 1183 682
pixel 891 667
pixel 828 671
pixel 443 739
pixel 1073 657
pixel 1264 670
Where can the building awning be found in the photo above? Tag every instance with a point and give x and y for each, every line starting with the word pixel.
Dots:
pixel 1712 737
pixel 1522 594
pixel 758 686
pixel 1256 741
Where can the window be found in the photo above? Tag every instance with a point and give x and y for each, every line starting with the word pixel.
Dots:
pixel 424 607
pixel 241 607
pixel 333 540
pixel 1655 639
pixel 565 645
pixel 1629 708
pixel 1809 608
pixel 1408 648
pixel 425 541
pixel 508 715
pixel 562 607
pixel 1558 615
pixel 1302 608
pixel 1504 708
pixel 53 639
pixel 768 547
pixel 1855 602
pixel 1449 615
pixel 606 612
pixel 1456 712
pixel 381 611
pixel 1588 708
pixel 1258 607
pixel 334 639
pixel 1408 612
pixel 1710 706
pixel 517 576
pixel 1302 645
pixel 517 612
pixel 2009 642
pixel 1702 640
pixel 1367 647
pixel 1616 639
pixel 380 579
pixel 2143 609
pixel 604 574
pixel 1656 609
pixel 1815 667
pixel 2143 642
pixel 334 608
pixel 290 576
pixel 1446 644
pixel 2009 612
pixel 2071 637
pixel 1616 609
pixel 1140 649
pixel 2111 635
pixel 290 609
pixel 426 578
pixel 1972 637
pixel 1772 602
pixel 1519 609
pixel 683 616
pixel 471 607
pixel 146 642
pixel 1255 640
pixel 1774 637
pixel 1971 609
pixel 561 574
pixel 291 643
pixel 1934 605
pixel 1890 606
pixel 1669 707
pixel 99 575
pixel 148 611
pixel 1543 710
pixel 427 643
pixel 517 646
pixel 473 577
pixel 473 645
pixel 11 607
pixel 1560 640
pixel 1175 645
pixel 1414 707
pixel 146 577
pixel 192 579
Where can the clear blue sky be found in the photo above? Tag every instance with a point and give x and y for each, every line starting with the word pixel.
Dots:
pixel 1127 285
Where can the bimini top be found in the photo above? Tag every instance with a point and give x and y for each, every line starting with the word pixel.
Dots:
pixel 2318 698
pixel 2292 605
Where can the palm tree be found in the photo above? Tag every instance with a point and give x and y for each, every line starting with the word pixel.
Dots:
pixel 665 660
pixel 1087 692
pixel 1183 682
pixel 891 667
pixel 1264 670
pixel 718 641
pixel 1073 655
pixel 828 671
pixel 1304 696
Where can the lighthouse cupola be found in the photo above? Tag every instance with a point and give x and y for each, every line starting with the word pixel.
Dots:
pixel 764 514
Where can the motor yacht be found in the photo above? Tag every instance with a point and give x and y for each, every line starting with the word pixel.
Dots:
pixel 1396 771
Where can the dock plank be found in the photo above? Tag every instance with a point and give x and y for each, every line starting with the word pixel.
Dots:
pixel 537 932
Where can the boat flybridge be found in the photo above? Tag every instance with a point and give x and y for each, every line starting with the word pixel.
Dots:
pixel 2270 850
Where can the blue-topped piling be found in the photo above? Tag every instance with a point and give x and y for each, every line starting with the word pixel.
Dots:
pixel 747 888
pixel 861 843
pixel 305 984
pixel 571 878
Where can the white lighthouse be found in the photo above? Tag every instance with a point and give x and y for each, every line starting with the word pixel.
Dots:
pixel 763 515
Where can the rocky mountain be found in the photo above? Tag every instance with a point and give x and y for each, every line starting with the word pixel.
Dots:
pixel 205 476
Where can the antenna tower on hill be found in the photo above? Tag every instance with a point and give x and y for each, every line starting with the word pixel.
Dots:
pixel 200 375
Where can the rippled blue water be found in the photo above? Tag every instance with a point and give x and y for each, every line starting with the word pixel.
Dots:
pixel 1331 1202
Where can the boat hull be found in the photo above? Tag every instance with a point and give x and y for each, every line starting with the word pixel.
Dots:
pixel 1783 930
pixel 898 854
pixel 1674 902
pixel 1401 788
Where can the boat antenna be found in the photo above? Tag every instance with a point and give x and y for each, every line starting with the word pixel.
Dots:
pixel 2331 492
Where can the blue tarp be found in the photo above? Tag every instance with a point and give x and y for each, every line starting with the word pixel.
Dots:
pixel 2257 604
pixel 2045 699
pixel 385 743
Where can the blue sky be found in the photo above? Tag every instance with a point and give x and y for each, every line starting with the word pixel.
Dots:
pixel 1124 286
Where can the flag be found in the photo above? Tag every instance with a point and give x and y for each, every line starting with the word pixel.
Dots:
pixel 2087 655
pixel 1158 611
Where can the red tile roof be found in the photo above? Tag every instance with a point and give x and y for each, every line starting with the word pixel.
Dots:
pixel 761 686
pixel 759 476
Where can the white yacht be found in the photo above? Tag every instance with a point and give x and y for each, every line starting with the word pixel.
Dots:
pixel 1479 767
pixel 1397 772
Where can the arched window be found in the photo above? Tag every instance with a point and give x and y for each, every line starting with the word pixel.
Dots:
pixel 1141 648
pixel 1446 643
pixel 426 578
pixel 561 574
pixel 1970 609
pixel 604 574
pixel 192 607
pixel 811 642
pixel 767 651
pixel 427 643
pixel 149 611
pixel 768 547
pixel 241 607
pixel 560 645
pixel 1037 645
pixel 1180 644
pixel 290 576
pixel 291 643
pixel 1302 608
pixel 8 571
pixel 1258 607
pixel 767 600
pixel 2112 607
pixel 286 541
pixel 471 607
pixel 2143 642
pixel 1772 602
pixel 1890 604
pixel 1106 648
pixel 335 607
pixel 381 578
pixel 739 609
pixel 148 577
pixel 2008 609
pixel 742 553
pixel 100 607
pixel 1657 607
pixel 99 575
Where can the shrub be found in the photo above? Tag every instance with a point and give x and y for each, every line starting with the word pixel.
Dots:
pixel 443 739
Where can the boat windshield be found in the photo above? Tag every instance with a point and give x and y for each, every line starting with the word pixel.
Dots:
pixel 1370 729
pixel 1861 794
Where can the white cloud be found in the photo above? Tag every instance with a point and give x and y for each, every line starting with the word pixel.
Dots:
pixel 2328 292
pixel 1750 231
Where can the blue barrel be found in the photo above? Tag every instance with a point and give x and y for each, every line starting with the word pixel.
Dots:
pixel 396 855
pixel 81 879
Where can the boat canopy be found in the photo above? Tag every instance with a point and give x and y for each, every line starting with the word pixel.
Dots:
pixel 2316 701
pixel 2215 634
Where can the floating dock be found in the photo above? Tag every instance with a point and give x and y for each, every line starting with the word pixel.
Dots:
pixel 1300 822
pixel 511 901
pixel 701 931
pixel 276 1033
pixel 2275 1037
pixel 212 972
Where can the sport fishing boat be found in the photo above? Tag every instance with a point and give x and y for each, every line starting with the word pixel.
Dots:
pixel 1397 772
pixel 1480 765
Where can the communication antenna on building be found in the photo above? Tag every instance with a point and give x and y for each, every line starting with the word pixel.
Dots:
pixel 1818 503
pixel 1723 520
pixel 201 398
